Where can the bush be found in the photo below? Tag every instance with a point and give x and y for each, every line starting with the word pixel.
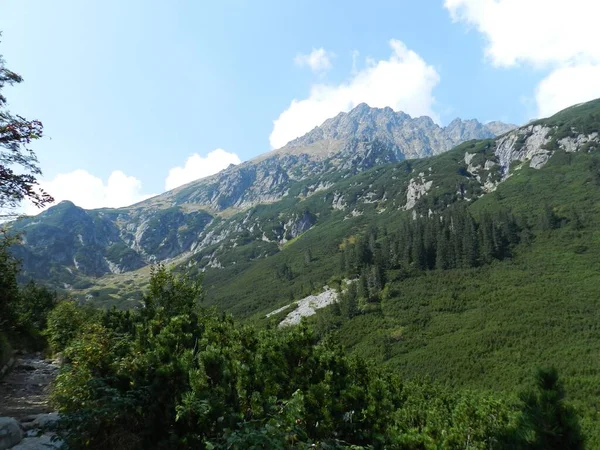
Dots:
pixel 176 376
pixel 5 350
pixel 64 323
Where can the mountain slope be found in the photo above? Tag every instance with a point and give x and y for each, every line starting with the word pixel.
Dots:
pixel 473 267
pixel 355 141
pixel 484 326
pixel 68 246
pixel 386 194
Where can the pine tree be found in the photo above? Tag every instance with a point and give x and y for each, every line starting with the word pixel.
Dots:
pixel 363 285
pixel 307 257
pixel 442 257
pixel 469 238
pixel 486 239
pixel 350 301
pixel 553 425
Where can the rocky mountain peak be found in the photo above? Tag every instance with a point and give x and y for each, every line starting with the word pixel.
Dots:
pixel 366 123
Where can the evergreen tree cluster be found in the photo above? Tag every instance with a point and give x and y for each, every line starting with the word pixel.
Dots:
pixel 454 239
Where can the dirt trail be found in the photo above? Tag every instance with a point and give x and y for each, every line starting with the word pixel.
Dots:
pixel 24 391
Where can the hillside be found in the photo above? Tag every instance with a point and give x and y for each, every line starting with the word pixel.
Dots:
pixel 486 323
pixel 69 247
pixel 473 267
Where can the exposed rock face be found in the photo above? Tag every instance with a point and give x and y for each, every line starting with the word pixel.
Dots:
pixel 531 144
pixel 525 144
pixel 414 138
pixel 573 144
pixel 306 307
pixel 417 188
pixel 67 239
pixel 295 227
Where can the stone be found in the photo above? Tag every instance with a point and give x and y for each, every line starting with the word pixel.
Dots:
pixel 43 420
pixel 38 443
pixel 10 433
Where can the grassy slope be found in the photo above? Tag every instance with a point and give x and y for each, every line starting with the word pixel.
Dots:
pixel 487 328
pixel 251 287
pixel 490 327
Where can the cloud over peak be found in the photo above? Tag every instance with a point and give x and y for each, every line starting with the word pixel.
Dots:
pixel 404 82
pixel 89 191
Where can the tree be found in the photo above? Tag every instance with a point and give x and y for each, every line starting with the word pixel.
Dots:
pixel 16 133
pixel 550 423
pixel 350 301
pixel 9 289
pixel 307 257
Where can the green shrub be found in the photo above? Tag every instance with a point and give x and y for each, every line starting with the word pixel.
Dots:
pixel 64 324
pixel 174 375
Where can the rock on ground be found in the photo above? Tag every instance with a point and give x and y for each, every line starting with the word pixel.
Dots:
pixel 10 433
pixel 44 441
pixel 308 306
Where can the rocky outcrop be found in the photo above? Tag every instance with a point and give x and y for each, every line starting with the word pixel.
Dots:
pixel 417 188
pixel 575 143
pixel 414 137
pixel 532 144
pixel 296 226
pixel 526 144
pixel 306 307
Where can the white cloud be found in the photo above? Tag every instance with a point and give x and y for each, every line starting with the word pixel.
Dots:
pixel 198 166
pixel 558 35
pixel 89 191
pixel 404 82
pixel 319 60
pixel 567 86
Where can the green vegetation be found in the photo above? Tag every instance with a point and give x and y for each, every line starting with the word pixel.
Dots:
pixel 23 309
pixel 466 293
pixel 527 297
pixel 173 375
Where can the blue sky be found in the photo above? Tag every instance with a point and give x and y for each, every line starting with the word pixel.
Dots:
pixel 129 91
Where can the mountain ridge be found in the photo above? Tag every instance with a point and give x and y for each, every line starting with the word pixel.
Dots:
pixel 178 227
pixel 329 144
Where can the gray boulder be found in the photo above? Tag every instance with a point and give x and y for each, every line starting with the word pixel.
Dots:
pixel 43 420
pixel 10 433
pixel 43 442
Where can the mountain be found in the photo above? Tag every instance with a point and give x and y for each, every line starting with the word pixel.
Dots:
pixel 301 189
pixel 357 140
pixel 69 246
pixel 470 267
